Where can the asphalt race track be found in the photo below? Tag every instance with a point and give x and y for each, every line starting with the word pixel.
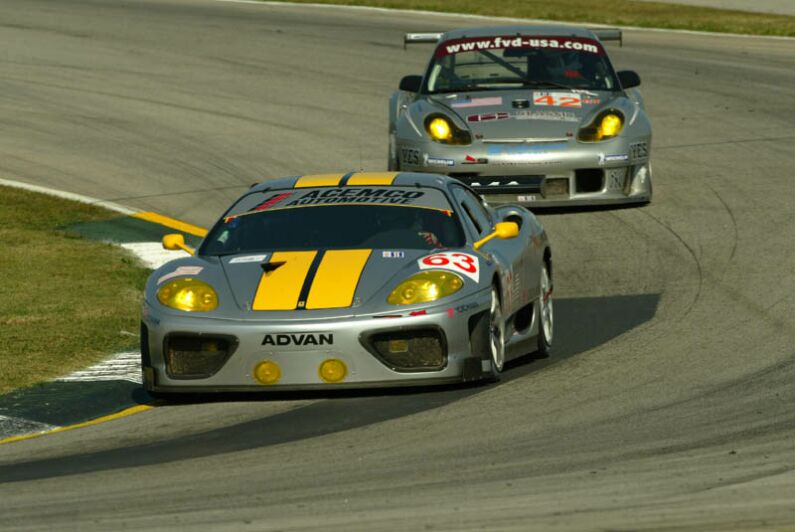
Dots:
pixel 668 403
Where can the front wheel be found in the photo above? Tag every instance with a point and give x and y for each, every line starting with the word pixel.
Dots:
pixel 488 339
pixel 545 312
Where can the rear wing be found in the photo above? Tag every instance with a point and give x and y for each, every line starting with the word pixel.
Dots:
pixel 603 34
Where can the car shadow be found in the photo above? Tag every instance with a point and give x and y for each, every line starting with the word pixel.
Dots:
pixel 582 324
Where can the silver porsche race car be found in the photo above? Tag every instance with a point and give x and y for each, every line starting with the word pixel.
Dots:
pixel 356 280
pixel 533 115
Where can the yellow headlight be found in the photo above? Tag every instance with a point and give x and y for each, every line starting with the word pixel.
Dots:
pixel 424 287
pixel 188 294
pixel 610 126
pixel 440 129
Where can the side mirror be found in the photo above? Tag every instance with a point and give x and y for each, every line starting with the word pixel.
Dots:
pixel 628 78
pixel 411 83
pixel 176 241
pixel 503 230
pixel 506 230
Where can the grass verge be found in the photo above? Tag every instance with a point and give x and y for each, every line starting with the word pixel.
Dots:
pixel 65 302
pixel 612 12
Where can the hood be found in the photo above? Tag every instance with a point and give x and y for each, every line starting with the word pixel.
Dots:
pixel 335 283
pixel 312 280
pixel 525 113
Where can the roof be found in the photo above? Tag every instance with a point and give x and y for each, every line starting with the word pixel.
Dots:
pixel 356 179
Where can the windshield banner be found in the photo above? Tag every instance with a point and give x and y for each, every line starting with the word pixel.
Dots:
pixel 575 44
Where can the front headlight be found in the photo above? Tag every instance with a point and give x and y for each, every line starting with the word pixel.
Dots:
pixel 443 130
pixel 190 295
pixel 424 287
pixel 606 125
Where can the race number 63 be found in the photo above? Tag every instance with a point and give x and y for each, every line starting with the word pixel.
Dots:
pixel 462 263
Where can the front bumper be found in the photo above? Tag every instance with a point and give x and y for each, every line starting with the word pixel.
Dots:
pixel 299 364
pixel 544 174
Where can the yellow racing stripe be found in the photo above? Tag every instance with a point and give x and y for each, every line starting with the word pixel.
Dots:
pixel 336 278
pixel 279 289
pixel 372 178
pixel 171 222
pixel 318 180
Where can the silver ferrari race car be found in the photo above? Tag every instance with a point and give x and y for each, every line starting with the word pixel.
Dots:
pixel 533 115
pixel 356 280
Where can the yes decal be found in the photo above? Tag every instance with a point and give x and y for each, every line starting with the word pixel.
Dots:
pixel 462 263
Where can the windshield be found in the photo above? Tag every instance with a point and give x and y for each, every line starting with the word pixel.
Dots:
pixel 336 218
pixel 470 64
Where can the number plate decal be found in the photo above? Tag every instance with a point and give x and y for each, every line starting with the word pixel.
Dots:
pixel 557 99
pixel 462 263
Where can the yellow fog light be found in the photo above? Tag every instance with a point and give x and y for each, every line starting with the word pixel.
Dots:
pixel 188 294
pixel 424 287
pixel 267 372
pixel 332 370
pixel 610 126
pixel 439 128
pixel 398 346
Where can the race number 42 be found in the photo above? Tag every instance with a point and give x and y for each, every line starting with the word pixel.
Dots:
pixel 557 99
pixel 462 263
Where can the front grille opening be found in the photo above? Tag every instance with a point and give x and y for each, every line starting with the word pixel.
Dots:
pixel 413 350
pixel 196 357
pixel 555 186
pixel 589 179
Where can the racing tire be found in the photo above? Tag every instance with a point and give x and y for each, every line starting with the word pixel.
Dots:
pixel 488 339
pixel 546 315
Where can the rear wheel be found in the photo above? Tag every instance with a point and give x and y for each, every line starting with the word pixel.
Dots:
pixel 546 315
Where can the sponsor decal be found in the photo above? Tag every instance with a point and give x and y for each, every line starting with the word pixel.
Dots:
pixel 524 149
pixel 466 307
pixel 557 99
pixel 477 102
pixel 249 258
pixel 300 339
pixel 180 271
pixel 591 101
pixel 613 158
pixel 470 44
pixel 554 116
pixel 393 254
pixel 462 263
pixel 487 117
pixel 410 156
pixel 349 194
pixel 418 313
pixel 436 161
pixel 528 199
pixel 520 104
pixel 273 200
pixel 474 160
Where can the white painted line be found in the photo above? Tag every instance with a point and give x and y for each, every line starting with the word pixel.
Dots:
pixel 152 254
pixel 120 367
pixel 497 19
pixel 69 195
pixel 13 426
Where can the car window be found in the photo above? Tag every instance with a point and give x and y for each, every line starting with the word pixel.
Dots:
pixel 474 210
pixel 337 218
pixel 499 62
